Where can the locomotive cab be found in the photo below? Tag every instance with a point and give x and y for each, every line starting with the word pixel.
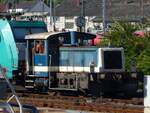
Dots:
pixel 38 59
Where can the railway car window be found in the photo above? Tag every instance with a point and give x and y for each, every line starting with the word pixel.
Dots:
pixel 112 60
pixel 78 58
pixel 39 47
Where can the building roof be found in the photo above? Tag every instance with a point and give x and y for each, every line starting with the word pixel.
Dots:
pixel 25 5
pixel 114 8
pixel 30 6
pixel 21 5
pixel 40 7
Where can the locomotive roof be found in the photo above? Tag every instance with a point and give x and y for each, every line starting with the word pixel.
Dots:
pixel 46 35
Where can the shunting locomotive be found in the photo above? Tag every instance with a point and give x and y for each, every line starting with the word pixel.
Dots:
pixel 67 61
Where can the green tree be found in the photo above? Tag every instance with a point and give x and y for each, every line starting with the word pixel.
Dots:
pixel 144 57
pixel 122 36
pixel 136 48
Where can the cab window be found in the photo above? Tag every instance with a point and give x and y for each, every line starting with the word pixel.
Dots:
pixel 39 47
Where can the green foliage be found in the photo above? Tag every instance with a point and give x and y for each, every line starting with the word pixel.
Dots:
pixel 122 36
pixel 58 1
pixel 136 48
pixel 105 42
pixel 144 57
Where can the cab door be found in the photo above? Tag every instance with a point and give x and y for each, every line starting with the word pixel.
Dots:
pixel 40 58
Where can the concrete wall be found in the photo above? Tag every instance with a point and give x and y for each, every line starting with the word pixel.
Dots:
pixel 147 91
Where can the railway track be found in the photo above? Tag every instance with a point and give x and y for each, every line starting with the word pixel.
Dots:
pixel 100 104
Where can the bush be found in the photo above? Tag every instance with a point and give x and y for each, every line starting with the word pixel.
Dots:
pixel 136 48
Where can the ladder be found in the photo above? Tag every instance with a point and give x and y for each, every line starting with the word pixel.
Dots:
pixel 29 81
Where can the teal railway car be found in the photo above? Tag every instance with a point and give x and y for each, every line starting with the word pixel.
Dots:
pixel 8 50
pixel 12 36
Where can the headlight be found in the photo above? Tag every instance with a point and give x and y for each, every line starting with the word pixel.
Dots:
pixel 102 76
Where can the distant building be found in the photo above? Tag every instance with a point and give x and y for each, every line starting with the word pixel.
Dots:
pixel 69 23
pixel 133 11
pixel 114 8
pixel 65 14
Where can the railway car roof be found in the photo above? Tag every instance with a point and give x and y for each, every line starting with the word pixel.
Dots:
pixel 46 35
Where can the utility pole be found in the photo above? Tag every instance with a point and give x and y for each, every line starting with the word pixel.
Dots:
pixel 51 15
pixel 82 15
pixel 54 17
pixel 13 6
pixel 142 10
pixel 50 12
pixel 42 9
pixel 83 8
pixel 104 16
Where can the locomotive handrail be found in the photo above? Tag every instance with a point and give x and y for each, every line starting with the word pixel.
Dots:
pixel 3 71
